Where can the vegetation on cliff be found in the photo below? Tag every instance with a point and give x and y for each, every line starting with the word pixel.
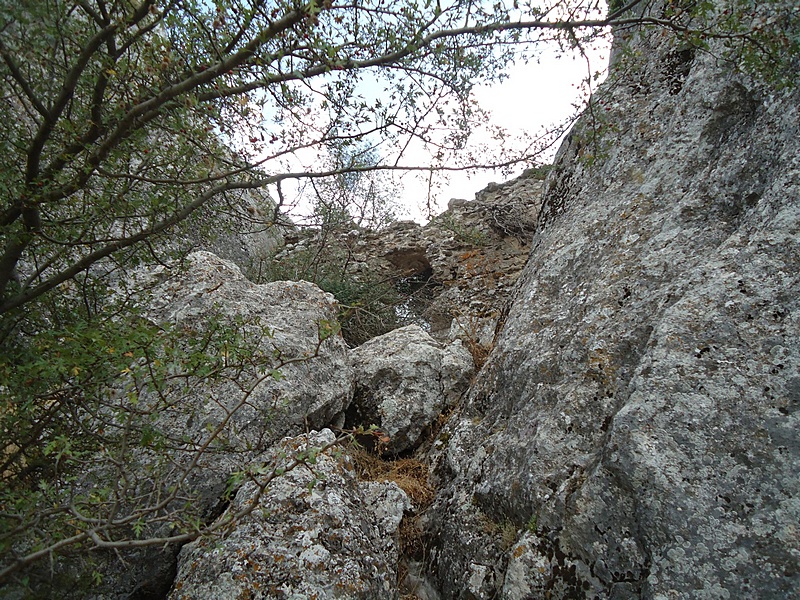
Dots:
pixel 118 123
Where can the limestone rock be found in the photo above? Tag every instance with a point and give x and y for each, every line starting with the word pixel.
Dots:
pixel 511 208
pixel 404 380
pixel 459 269
pixel 634 433
pixel 242 229
pixel 281 319
pixel 280 322
pixel 215 426
pixel 317 533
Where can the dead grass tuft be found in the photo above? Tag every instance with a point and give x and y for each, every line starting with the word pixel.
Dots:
pixel 412 544
pixel 480 352
pixel 409 474
pixel 470 326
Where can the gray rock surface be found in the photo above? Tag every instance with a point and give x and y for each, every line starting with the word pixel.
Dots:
pixel 280 322
pixel 242 229
pixel 318 533
pixel 404 380
pixel 635 431
pixel 204 430
pixel 462 265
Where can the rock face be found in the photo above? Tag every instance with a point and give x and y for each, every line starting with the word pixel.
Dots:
pixel 316 534
pixel 462 265
pixel 206 428
pixel 280 326
pixel 634 433
pixel 282 322
pixel 243 231
pixel 404 380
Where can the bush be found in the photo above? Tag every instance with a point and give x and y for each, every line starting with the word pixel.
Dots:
pixel 368 302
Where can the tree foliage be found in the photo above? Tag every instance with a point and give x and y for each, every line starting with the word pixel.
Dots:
pixel 126 122
pixel 354 196
pixel 114 110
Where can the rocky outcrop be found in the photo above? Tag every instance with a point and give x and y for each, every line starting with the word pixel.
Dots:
pixel 280 373
pixel 634 433
pixel 283 325
pixel 245 229
pixel 404 381
pixel 318 532
pixel 248 231
pixel 458 270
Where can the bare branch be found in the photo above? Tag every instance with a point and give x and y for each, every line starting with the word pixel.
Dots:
pixel 109 249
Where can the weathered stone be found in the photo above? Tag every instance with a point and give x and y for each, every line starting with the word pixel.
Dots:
pixel 213 427
pixel 281 323
pixel 404 380
pixel 280 319
pixel 637 421
pixel 462 266
pixel 317 533
pixel 243 231
pixel 634 433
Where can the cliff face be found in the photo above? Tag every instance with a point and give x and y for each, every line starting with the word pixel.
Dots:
pixel 456 272
pixel 634 433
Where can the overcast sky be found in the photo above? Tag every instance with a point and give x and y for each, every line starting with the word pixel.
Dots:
pixel 535 96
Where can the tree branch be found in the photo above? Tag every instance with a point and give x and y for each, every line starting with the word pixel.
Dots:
pixel 67 91
pixel 91 258
pixel 20 79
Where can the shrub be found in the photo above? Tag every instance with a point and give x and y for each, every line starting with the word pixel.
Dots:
pixel 368 302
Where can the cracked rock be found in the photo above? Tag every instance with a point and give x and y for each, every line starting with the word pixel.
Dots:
pixel 404 380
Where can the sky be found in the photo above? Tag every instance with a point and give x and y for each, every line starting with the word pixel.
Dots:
pixel 534 96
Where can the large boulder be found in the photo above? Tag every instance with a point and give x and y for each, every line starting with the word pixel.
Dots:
pixel 318 532
pixel 285 372
pixel 404 380
pixel 635 431
pixel 283 321
pixel 294 375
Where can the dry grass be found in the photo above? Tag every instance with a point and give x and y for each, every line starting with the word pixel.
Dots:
pixel 409 474
pixel 412 542
pixel 470 327
pixel 506 531
pixel 480 352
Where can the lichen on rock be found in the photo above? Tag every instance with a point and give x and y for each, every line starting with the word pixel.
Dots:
pixel 317 532
pixel 403 381
pixel 640 401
